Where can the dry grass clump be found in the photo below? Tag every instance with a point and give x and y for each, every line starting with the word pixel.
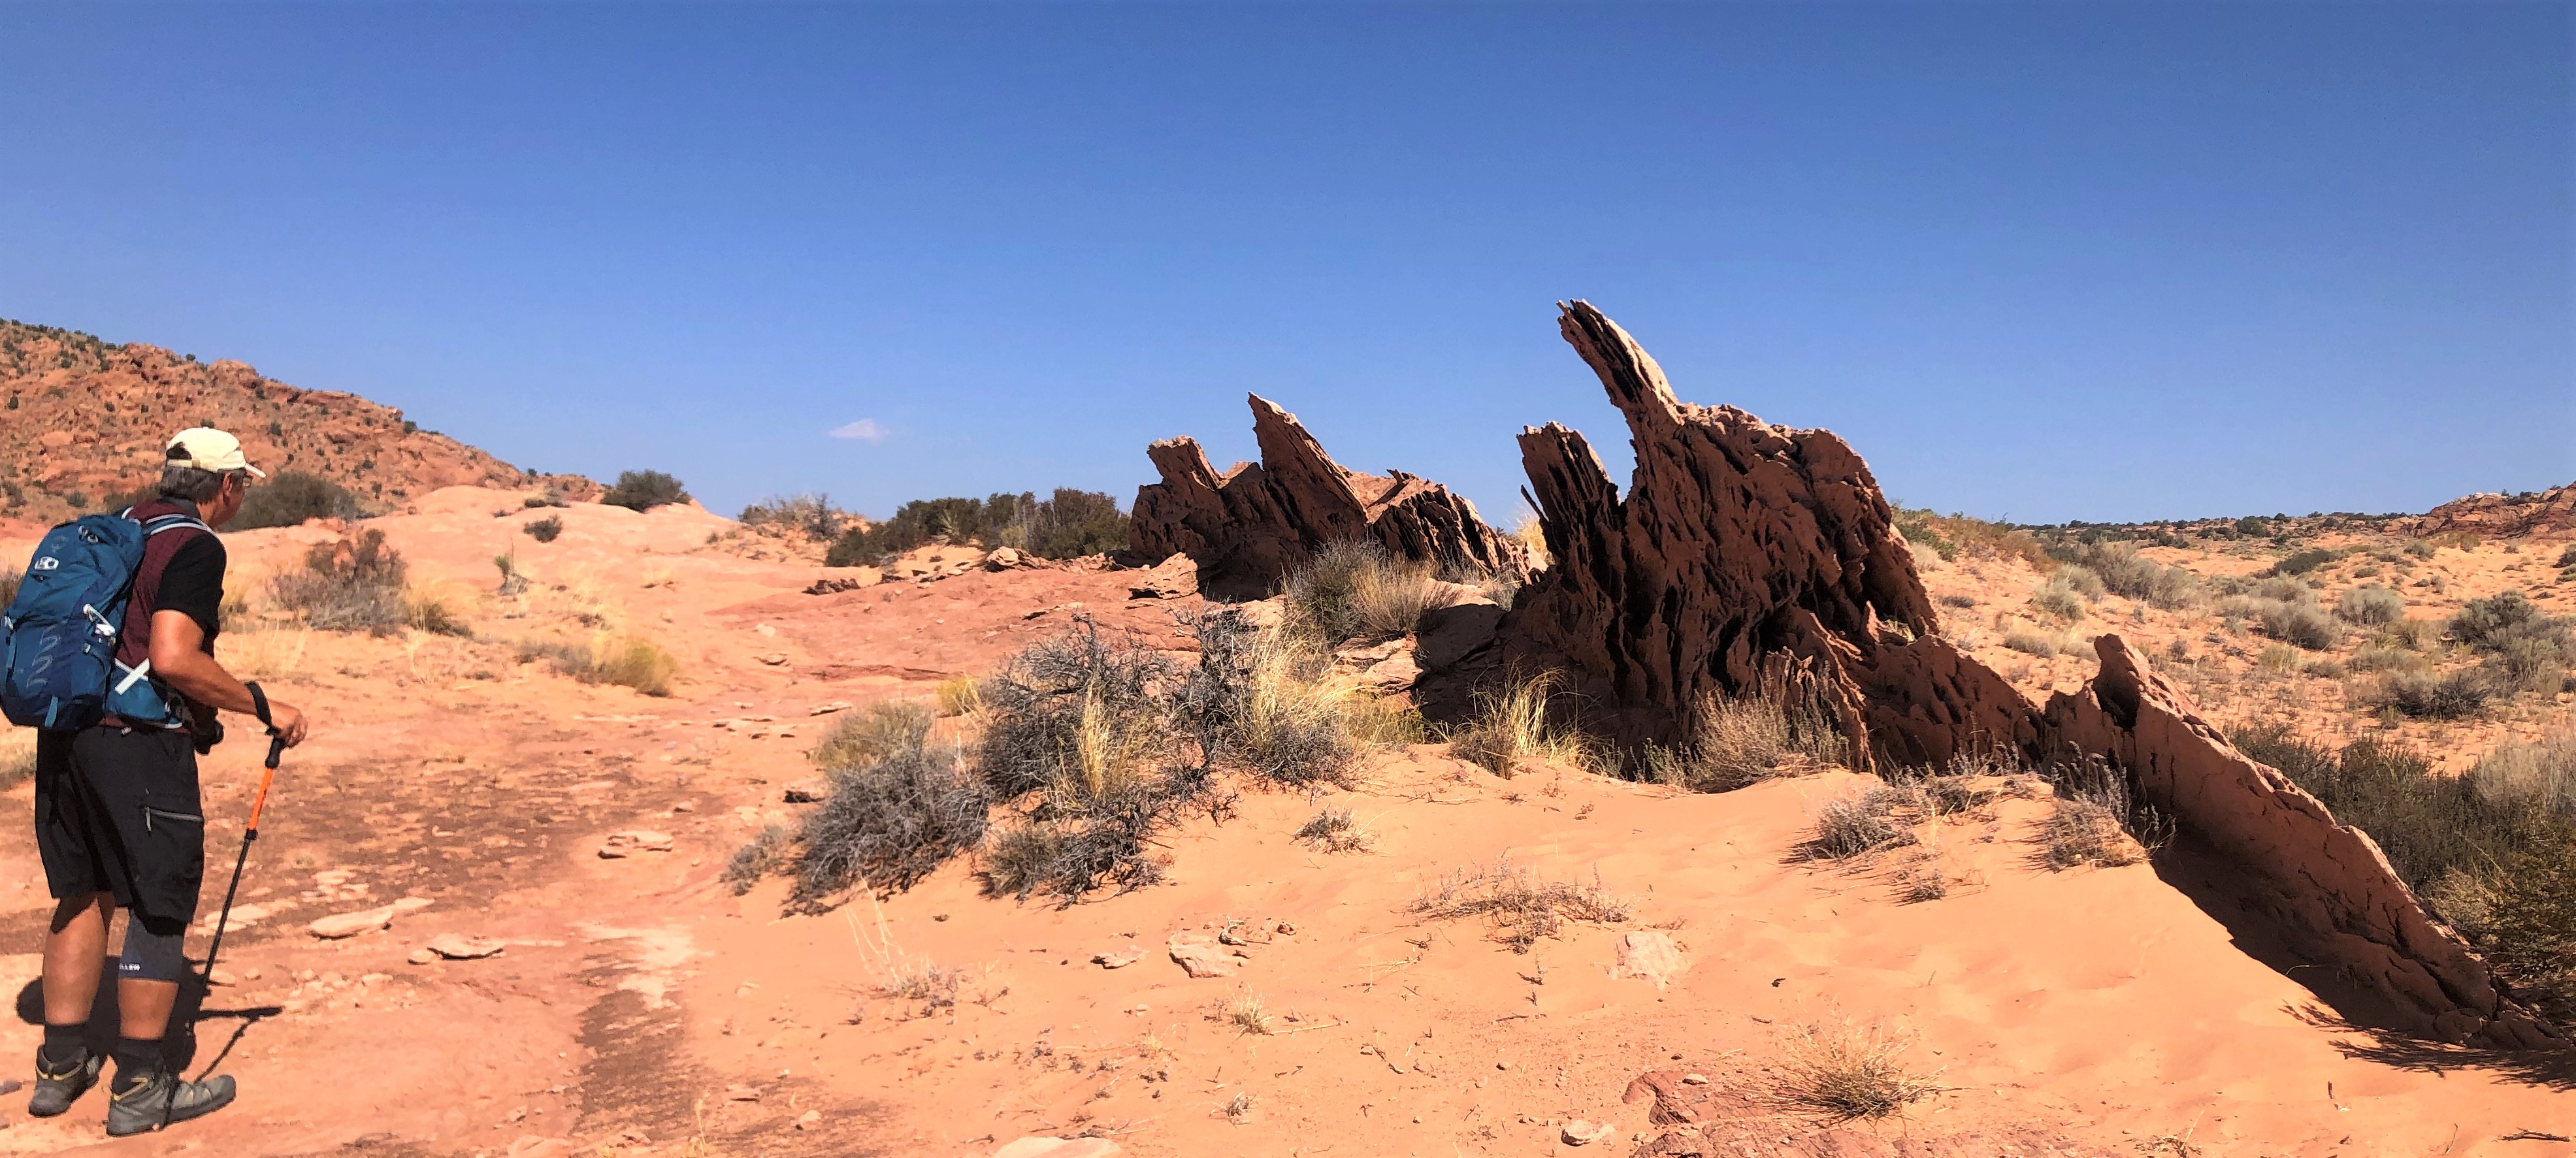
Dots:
pixel 1263 703
pixel 2032 641
pixel 1354 589
pixel 439 610
pixel 1857 824
pixel 1523 906
pixel 351 584
pixel 2094 820
pixel 1336 829
pixel 1531 532
pixel 1847 1071
pixel 871 734
pixel 1247 1012
pixel 959 696
pixel 625 660
pixel 2371 605
pixel 1513 726
pixel 2068 592
pixel 1743 740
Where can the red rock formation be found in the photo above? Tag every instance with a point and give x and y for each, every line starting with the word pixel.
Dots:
pixel 86 419
pixel 2542 512
pixel 2323 884
pixel 1249 526
pixel 1740 547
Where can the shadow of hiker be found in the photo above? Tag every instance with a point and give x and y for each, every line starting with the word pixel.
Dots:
pixel 178 1046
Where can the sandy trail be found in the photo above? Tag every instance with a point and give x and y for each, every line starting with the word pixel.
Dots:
pixel 640 1008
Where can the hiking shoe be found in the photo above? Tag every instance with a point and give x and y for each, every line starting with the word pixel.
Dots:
pixel 56 1090
pixel 164 1100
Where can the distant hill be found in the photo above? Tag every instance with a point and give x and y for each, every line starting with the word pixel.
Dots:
pixel 83 420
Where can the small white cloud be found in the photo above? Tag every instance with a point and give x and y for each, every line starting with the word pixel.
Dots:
pixel 864 430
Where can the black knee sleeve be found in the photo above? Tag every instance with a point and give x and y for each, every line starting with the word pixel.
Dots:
pixel 153 949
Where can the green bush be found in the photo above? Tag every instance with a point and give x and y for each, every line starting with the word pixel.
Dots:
pixel 2302 562
pixel 813 514
pixel 1069 524
pixel 643 490
pixel 292 497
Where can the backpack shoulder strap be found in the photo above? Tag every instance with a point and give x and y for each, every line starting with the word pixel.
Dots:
pixel 173 522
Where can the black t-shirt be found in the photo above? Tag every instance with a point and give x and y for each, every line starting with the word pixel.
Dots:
pixel 193 582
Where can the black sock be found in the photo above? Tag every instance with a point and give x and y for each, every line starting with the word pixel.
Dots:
pixel 65 1046
pixel 136 1059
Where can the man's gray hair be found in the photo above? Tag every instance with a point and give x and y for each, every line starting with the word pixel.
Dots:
pixel 193 483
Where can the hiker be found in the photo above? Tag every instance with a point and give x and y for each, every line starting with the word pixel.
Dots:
pixel 118 821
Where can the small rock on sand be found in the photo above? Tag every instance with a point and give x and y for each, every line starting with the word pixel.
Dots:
pixel 1041 1146
pixel 339 925
pixel 1118 958
pixel 810 790
pixel 742 1093
pixel 826 709
pixel 459 947
pixel 1201 956
pixel 1582 1133
pixel 421 956
pixel 1650 956
pixel 633 841
pixel 809 1119
pixel 772 658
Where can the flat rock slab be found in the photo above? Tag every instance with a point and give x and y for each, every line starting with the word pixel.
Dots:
pixel 1118 958
pixel 459 947
pixel 628 843
pixel 1650 956
pixel 339 925
pixel 1200 955
pixel 1582 1133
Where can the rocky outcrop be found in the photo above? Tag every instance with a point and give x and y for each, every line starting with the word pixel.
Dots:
pixel 1748 558
pixel 1248 527
pixel 1740 549
pixel 85 420
pixel 2529 513
pixel 2324 885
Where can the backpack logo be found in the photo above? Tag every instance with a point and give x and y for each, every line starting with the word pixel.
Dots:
pixel 47 563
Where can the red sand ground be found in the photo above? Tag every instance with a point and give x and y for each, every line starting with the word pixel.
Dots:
pixel 643 1009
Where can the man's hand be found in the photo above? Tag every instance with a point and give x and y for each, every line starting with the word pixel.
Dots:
pixel 286 722
pixel 179 658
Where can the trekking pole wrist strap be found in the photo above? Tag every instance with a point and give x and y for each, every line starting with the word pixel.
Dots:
pixel 259 705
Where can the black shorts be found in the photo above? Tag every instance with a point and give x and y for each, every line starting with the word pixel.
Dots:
pixel 117 812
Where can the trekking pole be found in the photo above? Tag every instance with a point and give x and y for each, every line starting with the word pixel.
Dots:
pixel 250 833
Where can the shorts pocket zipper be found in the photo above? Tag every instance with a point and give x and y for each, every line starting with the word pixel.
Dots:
pixel 149 812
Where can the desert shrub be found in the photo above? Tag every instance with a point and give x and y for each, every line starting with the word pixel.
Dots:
pixel 1068 524
pixel 628 661
pixel 889 823
pixel 1354 589
pixel 643 490
pixel 2371 606
pixel 544 530
pixel 2081 831
pixel 2425 695
pixel 2063 596
pixel 1513 724
pixel 2032 641
pixel 1846 1072
pixel 1955 535
pixel 2377 657
pixel 2566 558
pixel 434 612
pixel 10 578
pixel 1336 829
pixel 2280 657
pixel 1854 824
pixel 812 514
pixel 292 497
pixel 1523 906
pixel 762 856
pixel 1257 700
pixel 2297 621
pixel 2531 649
pixel 17 758
pixel 1737 741
pixel 350 584
pixel 871 734
pixel 2302 562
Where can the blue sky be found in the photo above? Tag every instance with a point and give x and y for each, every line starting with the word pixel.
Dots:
pixel 2039 261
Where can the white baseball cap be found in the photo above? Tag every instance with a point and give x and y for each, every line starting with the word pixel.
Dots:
pixel 207 448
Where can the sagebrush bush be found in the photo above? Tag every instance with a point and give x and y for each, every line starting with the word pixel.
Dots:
pixel 2425 695
pixel 544 530
pixel 889 823
pixel 2371 606
pixel 292 497
pixel 1354 589
pixel 2302 562
pixel 643 490
pixel 350 584
pixel 812 514
pixel 757 859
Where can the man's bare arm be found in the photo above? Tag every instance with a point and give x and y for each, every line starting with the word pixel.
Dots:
pixel 179 658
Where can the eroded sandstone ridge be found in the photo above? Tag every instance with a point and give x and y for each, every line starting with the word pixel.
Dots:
pixel 1743 555
pixel 1247 527
pixel 2531 513
pixel 1751 558
pixel 2325 886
